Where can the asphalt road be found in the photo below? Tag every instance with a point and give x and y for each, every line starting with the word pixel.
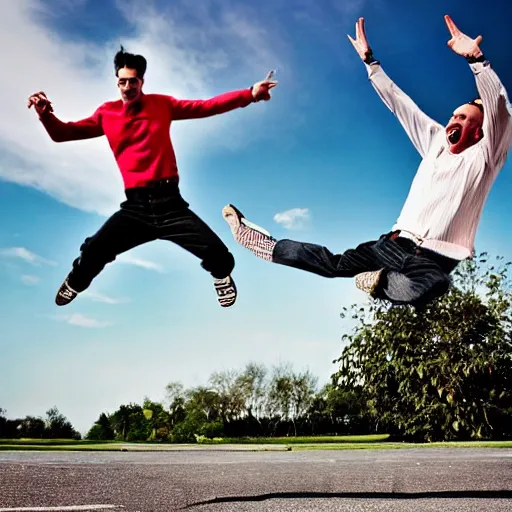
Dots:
pixel 418 480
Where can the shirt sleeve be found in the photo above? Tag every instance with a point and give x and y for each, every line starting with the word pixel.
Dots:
pixel 420 128
pixel 497 124
pixel 60 131
pixel 194 109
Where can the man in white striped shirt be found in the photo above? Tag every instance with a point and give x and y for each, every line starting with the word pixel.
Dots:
pixel 437 225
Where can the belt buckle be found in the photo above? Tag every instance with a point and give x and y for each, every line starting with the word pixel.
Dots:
pixel 407 234
pixel 416 239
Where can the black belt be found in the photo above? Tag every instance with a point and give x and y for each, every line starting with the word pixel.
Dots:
pixel 168 182
pixel 155 189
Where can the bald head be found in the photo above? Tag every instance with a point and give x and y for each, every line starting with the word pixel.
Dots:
pixel 465 127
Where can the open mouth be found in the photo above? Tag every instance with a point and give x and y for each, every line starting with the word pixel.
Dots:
pixel 454 133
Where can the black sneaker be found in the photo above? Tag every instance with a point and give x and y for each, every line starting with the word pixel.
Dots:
pixel 65 294
pixel 226 291
pixel 251 236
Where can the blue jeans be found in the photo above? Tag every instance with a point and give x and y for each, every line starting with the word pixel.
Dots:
pixel 412 275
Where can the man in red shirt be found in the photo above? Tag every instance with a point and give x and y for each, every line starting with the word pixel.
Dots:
pixel 137 128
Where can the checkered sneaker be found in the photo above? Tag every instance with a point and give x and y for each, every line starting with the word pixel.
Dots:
pixel 65 294
pixel 226 291
pixel 251 236
pixel 368 281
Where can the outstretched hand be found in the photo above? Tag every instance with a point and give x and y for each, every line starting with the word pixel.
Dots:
pixel 40 102
pixel 462 44
pixel 360 43
pixel 260 90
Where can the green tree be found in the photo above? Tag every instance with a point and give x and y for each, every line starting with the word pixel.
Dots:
pixel 443 373
pixel 130 424
pixel 252 382
pixel 3 422
pixel 58 426
pixel 290 394
pixel 155 413
pixel 32 428
pixel 231 395
pixel 101 430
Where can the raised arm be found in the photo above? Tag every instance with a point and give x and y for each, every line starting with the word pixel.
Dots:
pixel 420 128
pixel 60 131
pixel 497 123
pixel 194 109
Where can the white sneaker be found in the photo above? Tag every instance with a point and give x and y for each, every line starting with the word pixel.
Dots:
pixel 248 234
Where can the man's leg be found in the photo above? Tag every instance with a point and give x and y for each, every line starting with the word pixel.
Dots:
pixel 424 277
pixel 120 233
pixel 301 255
pixel 190 232
pixel 385 269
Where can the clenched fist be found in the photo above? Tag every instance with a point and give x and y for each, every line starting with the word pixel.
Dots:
pixel 40 102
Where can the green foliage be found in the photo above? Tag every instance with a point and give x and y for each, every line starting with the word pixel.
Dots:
pixel 101 430
pixel 212 430
pixel 57 426
pixel 444 373
pixel 185 431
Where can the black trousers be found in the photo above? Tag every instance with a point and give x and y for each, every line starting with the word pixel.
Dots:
pixel 412 275
pixel 155 212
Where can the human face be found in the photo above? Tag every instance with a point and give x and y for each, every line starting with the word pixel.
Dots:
pixel 129 84
pixel 464 128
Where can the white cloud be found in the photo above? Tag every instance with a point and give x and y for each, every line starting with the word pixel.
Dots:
pixel 30 280
pixel 99 297
pixel 25 255
pixel 199 60
pixel 80 320
pixel 296 218
pixel 139 262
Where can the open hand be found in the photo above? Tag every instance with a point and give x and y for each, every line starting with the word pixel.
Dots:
pixel 360 43
pixel 461 43
pixel 40 102
pixel 260 90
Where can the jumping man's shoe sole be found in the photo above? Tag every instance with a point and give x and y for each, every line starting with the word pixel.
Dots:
pixel 368 281
pixel 65 295
pixel 226 291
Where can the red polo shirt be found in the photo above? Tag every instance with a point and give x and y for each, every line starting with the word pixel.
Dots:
pixel 139 135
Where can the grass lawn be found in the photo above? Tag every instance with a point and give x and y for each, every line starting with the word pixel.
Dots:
pixel 401 446
pixel 373 438
pixel 372 442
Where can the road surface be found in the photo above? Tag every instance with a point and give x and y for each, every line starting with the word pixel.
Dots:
pixel 425 479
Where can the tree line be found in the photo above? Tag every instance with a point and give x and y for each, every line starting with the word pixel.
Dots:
pixel 444 373
pixel 54 426
pixel 253 402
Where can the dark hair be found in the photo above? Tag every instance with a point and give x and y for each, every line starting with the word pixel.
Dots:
pixel 124 59
pixel 477 103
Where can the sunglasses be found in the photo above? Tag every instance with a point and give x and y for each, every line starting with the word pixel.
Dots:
pixel 132 81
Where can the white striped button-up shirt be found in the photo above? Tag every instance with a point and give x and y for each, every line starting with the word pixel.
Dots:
pixel 448 193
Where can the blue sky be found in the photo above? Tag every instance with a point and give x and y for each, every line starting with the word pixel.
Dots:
pixel 324 144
